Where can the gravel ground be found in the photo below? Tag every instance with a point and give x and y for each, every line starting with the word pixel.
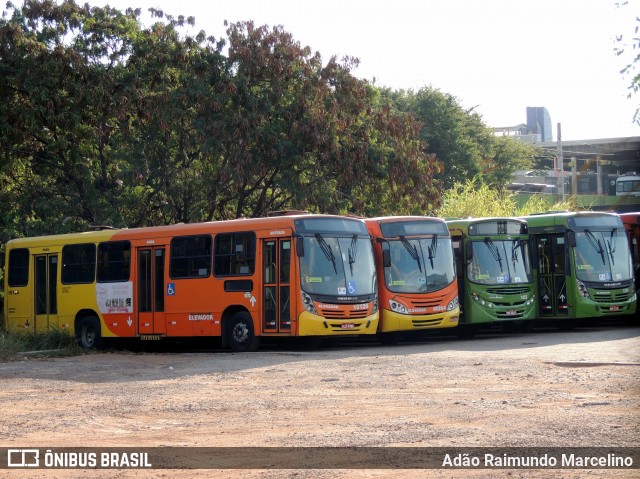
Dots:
pixel 544 389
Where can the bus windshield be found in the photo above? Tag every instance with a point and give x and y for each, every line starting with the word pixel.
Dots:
pixel 603 256
pixel 499 262
pixel 337 266
pixel 419 265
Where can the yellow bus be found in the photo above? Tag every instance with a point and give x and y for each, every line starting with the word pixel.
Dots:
pixel 288 275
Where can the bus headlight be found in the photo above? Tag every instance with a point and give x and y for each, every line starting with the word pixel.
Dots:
pixel 308 303
pixel 453 304
pixel 375 304
pixel 582 289
pixel 397 307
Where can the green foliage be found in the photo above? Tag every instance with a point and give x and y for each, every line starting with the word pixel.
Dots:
pixel 628 49
pixel 544 203
pixel 53 342
pixel 10 344
pixel 475 199
pixel 509 155
pixel 106 122
pixel 460 139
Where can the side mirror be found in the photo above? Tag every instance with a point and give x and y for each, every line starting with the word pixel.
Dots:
pixel 469 252
pixel 386 255
pixel 571 238
pixel 300 246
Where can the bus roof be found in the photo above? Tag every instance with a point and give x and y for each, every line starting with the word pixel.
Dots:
pixel 558 222
pixel 561 217
pixel 471 221
pixel 391 219
pixel 234 225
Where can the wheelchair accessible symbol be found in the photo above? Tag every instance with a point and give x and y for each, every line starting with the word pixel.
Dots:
pixel 171 289
pixel 351 285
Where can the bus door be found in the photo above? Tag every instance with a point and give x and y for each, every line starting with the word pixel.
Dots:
pixel 552 281
pixel 151 268
pixel 276 294
pixel 461 270
pixel 46 287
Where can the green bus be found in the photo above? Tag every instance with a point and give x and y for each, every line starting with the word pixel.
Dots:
pixel 495 280
pixel 582 266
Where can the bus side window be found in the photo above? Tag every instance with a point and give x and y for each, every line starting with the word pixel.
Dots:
pixel 78 263
pixel 18 267
pixel 114 261
pixel 190 257
pixel 235 254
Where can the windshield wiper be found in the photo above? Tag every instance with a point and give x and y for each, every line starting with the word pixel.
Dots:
pixel 611 245
pixel 517 244
pixel 326 249
pixel 412 251
pixel 494 251
pixel 432 249
pixel 595 243
pixel 353 251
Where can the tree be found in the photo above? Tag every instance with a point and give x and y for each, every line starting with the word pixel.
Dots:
pixel 59 72
pixel 628 47
pixel 106 122
pixel 460 139
pixel 508 155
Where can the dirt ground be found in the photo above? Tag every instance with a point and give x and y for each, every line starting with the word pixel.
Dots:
pixel 545 388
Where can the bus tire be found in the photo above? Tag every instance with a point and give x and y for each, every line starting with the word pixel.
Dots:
pixel 88 333
pixel 240 335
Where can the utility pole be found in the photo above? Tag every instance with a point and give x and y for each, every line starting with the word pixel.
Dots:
pixel 560 164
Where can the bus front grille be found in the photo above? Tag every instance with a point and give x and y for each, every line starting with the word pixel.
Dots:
pixel 333 314
pixel 607 296
pixel 509 290
pixel 425 323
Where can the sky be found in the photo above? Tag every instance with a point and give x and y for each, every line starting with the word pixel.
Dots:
pixel 496 56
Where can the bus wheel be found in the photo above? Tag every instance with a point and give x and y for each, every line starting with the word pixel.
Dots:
pixel 240 335
pixel 88 333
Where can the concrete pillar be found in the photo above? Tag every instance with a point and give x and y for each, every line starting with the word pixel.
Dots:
pixel 599 173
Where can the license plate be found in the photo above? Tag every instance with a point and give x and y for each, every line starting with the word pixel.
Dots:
pixel 348 325
pixel 614 308
pixel 512 312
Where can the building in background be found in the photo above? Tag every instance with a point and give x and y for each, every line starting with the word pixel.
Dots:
pixel 589 168
pixel 537 129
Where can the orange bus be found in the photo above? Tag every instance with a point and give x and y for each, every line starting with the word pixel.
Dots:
pixel 289 275
pixel 416 274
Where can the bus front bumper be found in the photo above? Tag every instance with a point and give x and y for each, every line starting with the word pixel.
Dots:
pixel 391 321
pixel 313 325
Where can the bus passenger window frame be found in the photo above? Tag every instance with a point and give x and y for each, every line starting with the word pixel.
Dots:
pixel 113 261
pixel 74 269
pixel 188 264
pixel 15 279
pixel 235 254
